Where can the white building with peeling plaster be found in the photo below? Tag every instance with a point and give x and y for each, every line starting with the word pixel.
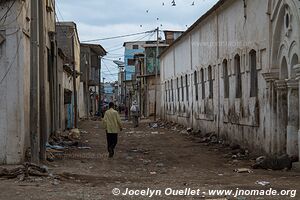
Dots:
pixel 236 72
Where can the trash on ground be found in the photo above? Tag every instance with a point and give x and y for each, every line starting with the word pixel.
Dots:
pixel 84 147
pixel 263 183
pixel 24 171
pixel 153 125
pixel 75 133
pixel 243 170
pixel 57 147
pixel 135 150
pixel 273 162
pixel 160 165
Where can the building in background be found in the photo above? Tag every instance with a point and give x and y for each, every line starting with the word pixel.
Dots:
pixel 121 85
pixel 148 78
pixel 68 42
pixel 65 82
pixel 90 68
pixel 171 36
pixel 131 48
pixel 109 92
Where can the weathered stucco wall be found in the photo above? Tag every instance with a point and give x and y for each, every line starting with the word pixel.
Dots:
pixel 14 85
pixel 239 112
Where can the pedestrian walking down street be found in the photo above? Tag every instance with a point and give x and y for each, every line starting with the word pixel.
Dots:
pixel 113 127
pixel 135 113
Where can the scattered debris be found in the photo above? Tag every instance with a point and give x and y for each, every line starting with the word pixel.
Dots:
pixel 83 132
pixel 75 134
pixel 49 146
pixel 243 170
pixel 160 165
pixel 55 182
pixel 24 171
pixel 153 125
pixel 146 162
pixel 84 147
pixel 135 150
pixel 263 183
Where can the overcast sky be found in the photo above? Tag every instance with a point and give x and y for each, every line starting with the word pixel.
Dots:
pixel 105 18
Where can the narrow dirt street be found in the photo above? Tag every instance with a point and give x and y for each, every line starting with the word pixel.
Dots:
pixel 155 158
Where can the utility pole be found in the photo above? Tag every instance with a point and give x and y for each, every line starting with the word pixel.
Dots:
pixel 99 90
pixel 74 84
pixel 125 90
pixel 34 83
pixel 42 79
pixel 156 71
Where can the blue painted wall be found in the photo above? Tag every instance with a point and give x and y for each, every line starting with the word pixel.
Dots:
pixel 129 54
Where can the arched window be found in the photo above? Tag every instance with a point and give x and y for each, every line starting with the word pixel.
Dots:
pixel 253 72
pixel 294 62
pixel 238 87
pixel 187 87
pixel 182 89
pixel 226 79
pixel 211 83
pixel 196 85
pixel 284 69
pixel 202 83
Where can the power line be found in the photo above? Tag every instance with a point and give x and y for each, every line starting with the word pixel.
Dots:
pixel 110 73
pixel 120 36
pixel 18 15
pixel 150 34
pixel 12 62
pixel 59 10
pixel 6 13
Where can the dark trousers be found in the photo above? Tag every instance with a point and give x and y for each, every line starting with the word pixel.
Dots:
pixel 112 140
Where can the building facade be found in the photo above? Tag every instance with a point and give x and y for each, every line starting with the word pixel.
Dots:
pixel 131 48
pixel 69 43
pixel 234 72
pixel 90 68
pixel 15 82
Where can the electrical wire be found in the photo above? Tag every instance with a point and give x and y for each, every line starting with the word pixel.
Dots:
pixel 12 62
pixel 120 36
pixel 18 15
pixel 8 10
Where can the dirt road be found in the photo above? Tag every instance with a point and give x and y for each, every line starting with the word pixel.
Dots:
pixel 146 158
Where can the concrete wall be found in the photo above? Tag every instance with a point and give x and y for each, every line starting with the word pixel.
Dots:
pixel 228 31
pixel 15 83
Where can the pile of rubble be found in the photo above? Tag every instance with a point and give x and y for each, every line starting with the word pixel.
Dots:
pixel 24 171
pixel 58 143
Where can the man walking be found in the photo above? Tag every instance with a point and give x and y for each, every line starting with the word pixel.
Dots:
pixel 135 110
pixel 113 126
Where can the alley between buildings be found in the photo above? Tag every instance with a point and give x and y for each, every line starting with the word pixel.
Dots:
pixel 152 157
